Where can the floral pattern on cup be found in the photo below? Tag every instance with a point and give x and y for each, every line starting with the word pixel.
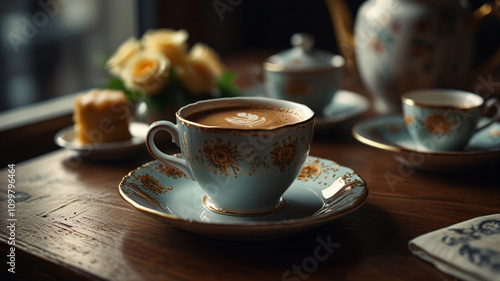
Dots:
pixel 409 119
pixel 222 157
pixel 437 124
pixel 434 124
pixel 284 154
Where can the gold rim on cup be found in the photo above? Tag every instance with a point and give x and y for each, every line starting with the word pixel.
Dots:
pixel 408 100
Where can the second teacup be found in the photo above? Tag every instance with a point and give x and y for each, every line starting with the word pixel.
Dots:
pixel 445 119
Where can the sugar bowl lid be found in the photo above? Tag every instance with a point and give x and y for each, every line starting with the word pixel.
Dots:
pixel 302 57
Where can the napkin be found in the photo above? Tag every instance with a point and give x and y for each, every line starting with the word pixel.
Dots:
pixel 469 250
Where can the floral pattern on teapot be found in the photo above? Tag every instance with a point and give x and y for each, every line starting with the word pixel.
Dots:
pixel 408 51
pixel 398 45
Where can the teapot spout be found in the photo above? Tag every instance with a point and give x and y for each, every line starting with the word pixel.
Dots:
pixel 343 27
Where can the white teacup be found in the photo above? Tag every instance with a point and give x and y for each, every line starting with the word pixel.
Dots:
pixel 243 156
pixel 445 119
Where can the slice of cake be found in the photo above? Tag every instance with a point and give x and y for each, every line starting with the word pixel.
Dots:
pixel 101 116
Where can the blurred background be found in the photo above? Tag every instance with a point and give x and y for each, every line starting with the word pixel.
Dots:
pixel 55 47
pixel 49 48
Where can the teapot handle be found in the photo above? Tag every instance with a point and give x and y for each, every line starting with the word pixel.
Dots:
pixel 488 9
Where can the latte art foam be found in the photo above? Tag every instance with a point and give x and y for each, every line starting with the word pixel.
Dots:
pixel 246 117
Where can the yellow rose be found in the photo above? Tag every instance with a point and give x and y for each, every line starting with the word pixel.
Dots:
pixel 169 42
pixel 202 69
pixel 119 59
pixel 146 72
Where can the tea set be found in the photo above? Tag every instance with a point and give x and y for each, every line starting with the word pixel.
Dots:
pixel 312 77
pixel 242 181
pixel 258 183
pixel 248 183
pixel 396 46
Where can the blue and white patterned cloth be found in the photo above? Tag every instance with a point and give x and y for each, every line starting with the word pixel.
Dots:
pixel 469 250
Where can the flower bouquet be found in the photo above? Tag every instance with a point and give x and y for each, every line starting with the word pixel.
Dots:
pixel 159 71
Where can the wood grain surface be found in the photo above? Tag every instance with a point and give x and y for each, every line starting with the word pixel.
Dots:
pixel 73 225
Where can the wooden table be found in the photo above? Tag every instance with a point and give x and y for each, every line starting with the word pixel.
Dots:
pixel 71 224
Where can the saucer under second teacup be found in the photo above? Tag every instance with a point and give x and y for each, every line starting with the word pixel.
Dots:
pixel 389 133
pixel 166 194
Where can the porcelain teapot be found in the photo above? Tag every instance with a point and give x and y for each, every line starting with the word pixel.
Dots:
pixel 401 45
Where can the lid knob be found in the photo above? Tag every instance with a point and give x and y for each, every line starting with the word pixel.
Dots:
pixel 303 41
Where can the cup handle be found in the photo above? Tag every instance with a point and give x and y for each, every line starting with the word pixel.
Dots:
pixel 178 163
pixel 493 102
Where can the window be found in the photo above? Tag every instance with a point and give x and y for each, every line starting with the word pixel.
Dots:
pixel 49 48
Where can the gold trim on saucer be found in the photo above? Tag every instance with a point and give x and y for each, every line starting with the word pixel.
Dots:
pixel 376 140
pixel 212 207
pixel 241 230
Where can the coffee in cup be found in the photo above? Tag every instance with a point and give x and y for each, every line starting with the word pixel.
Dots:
pixel 243 152
pixel 246 117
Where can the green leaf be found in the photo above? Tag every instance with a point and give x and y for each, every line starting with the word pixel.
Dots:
pixel 226 85
pixel 174 93
pixel 154 104
pixel 117 84
pixel 228 78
